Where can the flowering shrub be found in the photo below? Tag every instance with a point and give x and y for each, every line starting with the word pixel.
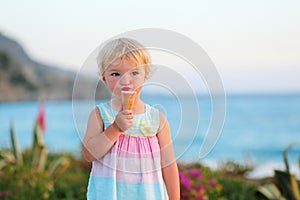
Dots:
pixel 196 183
pixel 24 183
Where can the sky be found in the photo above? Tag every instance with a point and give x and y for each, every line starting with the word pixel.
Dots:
pixel 255 45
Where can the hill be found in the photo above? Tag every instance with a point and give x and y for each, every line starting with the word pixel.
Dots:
pixel 22 78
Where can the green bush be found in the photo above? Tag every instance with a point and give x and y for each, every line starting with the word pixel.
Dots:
pixel 72 184
pixel 4 60
pixel 26 182
pixel 236 189
pixel 30 174
pixel 234 168
pixel 17 77
pixel 18 183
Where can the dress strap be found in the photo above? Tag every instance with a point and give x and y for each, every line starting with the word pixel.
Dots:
pixel 107 114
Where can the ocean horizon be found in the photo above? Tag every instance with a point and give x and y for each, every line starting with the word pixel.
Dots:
pixel 256 130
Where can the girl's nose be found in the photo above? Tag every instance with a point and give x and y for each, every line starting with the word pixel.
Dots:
pixel 125 79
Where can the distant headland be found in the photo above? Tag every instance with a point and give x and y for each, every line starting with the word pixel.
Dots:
pixel 24 79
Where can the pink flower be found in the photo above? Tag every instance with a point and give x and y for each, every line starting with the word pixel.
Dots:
pixel 194 172
pixel 185 181
pixel 202 187
pixel 181 175
pixel 212 182
pixel 199 197
pixel 4 194
pixel 183 193
pixel 41 118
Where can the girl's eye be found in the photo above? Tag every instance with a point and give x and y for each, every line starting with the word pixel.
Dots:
pixel 134 73
pixel 115 74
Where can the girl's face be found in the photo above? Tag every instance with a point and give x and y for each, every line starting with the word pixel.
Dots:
pixel 124 75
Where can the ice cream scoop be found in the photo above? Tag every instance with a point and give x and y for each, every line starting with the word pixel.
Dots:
pixel 128 98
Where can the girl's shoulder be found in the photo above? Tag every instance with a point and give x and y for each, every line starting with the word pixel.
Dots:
pixel 154 112
pixel 155 108
pixel 101 105
pixel 104 110
pixel 105 107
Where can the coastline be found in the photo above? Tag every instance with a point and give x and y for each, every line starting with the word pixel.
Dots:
pixel 249 129
pixel 260 170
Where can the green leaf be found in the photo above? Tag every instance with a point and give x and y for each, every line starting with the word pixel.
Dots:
pixel 285 155
pixel 38 146
pixel 270 191
pixel 57 166
pixel 16 149
pixel 6 158
pixel 43 159
pixel 288 184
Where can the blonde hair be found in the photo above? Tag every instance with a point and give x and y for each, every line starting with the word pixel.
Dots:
pixel 123 48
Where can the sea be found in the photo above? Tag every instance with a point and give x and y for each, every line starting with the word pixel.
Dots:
pixel 251 130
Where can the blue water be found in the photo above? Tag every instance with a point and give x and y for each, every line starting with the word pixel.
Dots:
pixel 256 128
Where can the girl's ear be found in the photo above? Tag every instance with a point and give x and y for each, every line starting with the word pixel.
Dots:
pixel 103 78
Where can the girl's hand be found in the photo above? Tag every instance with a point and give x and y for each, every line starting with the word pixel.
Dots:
pixel 124 120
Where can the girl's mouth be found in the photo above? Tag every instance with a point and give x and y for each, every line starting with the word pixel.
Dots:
pixel 126 89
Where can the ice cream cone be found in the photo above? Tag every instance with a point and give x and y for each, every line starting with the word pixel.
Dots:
pixel 128 98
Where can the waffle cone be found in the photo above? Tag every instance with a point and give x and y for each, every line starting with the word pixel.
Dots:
pixel 128 98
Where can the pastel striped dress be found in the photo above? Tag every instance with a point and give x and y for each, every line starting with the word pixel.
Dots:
pixel 131 169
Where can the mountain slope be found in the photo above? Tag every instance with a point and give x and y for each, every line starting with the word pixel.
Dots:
pixel 22 78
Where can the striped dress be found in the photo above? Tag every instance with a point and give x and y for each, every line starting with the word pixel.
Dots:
pixel 131 169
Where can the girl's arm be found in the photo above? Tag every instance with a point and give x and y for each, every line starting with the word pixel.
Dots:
pixel 97 143
pixel 168 160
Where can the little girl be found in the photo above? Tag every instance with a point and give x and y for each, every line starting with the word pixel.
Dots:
pixel 131 150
